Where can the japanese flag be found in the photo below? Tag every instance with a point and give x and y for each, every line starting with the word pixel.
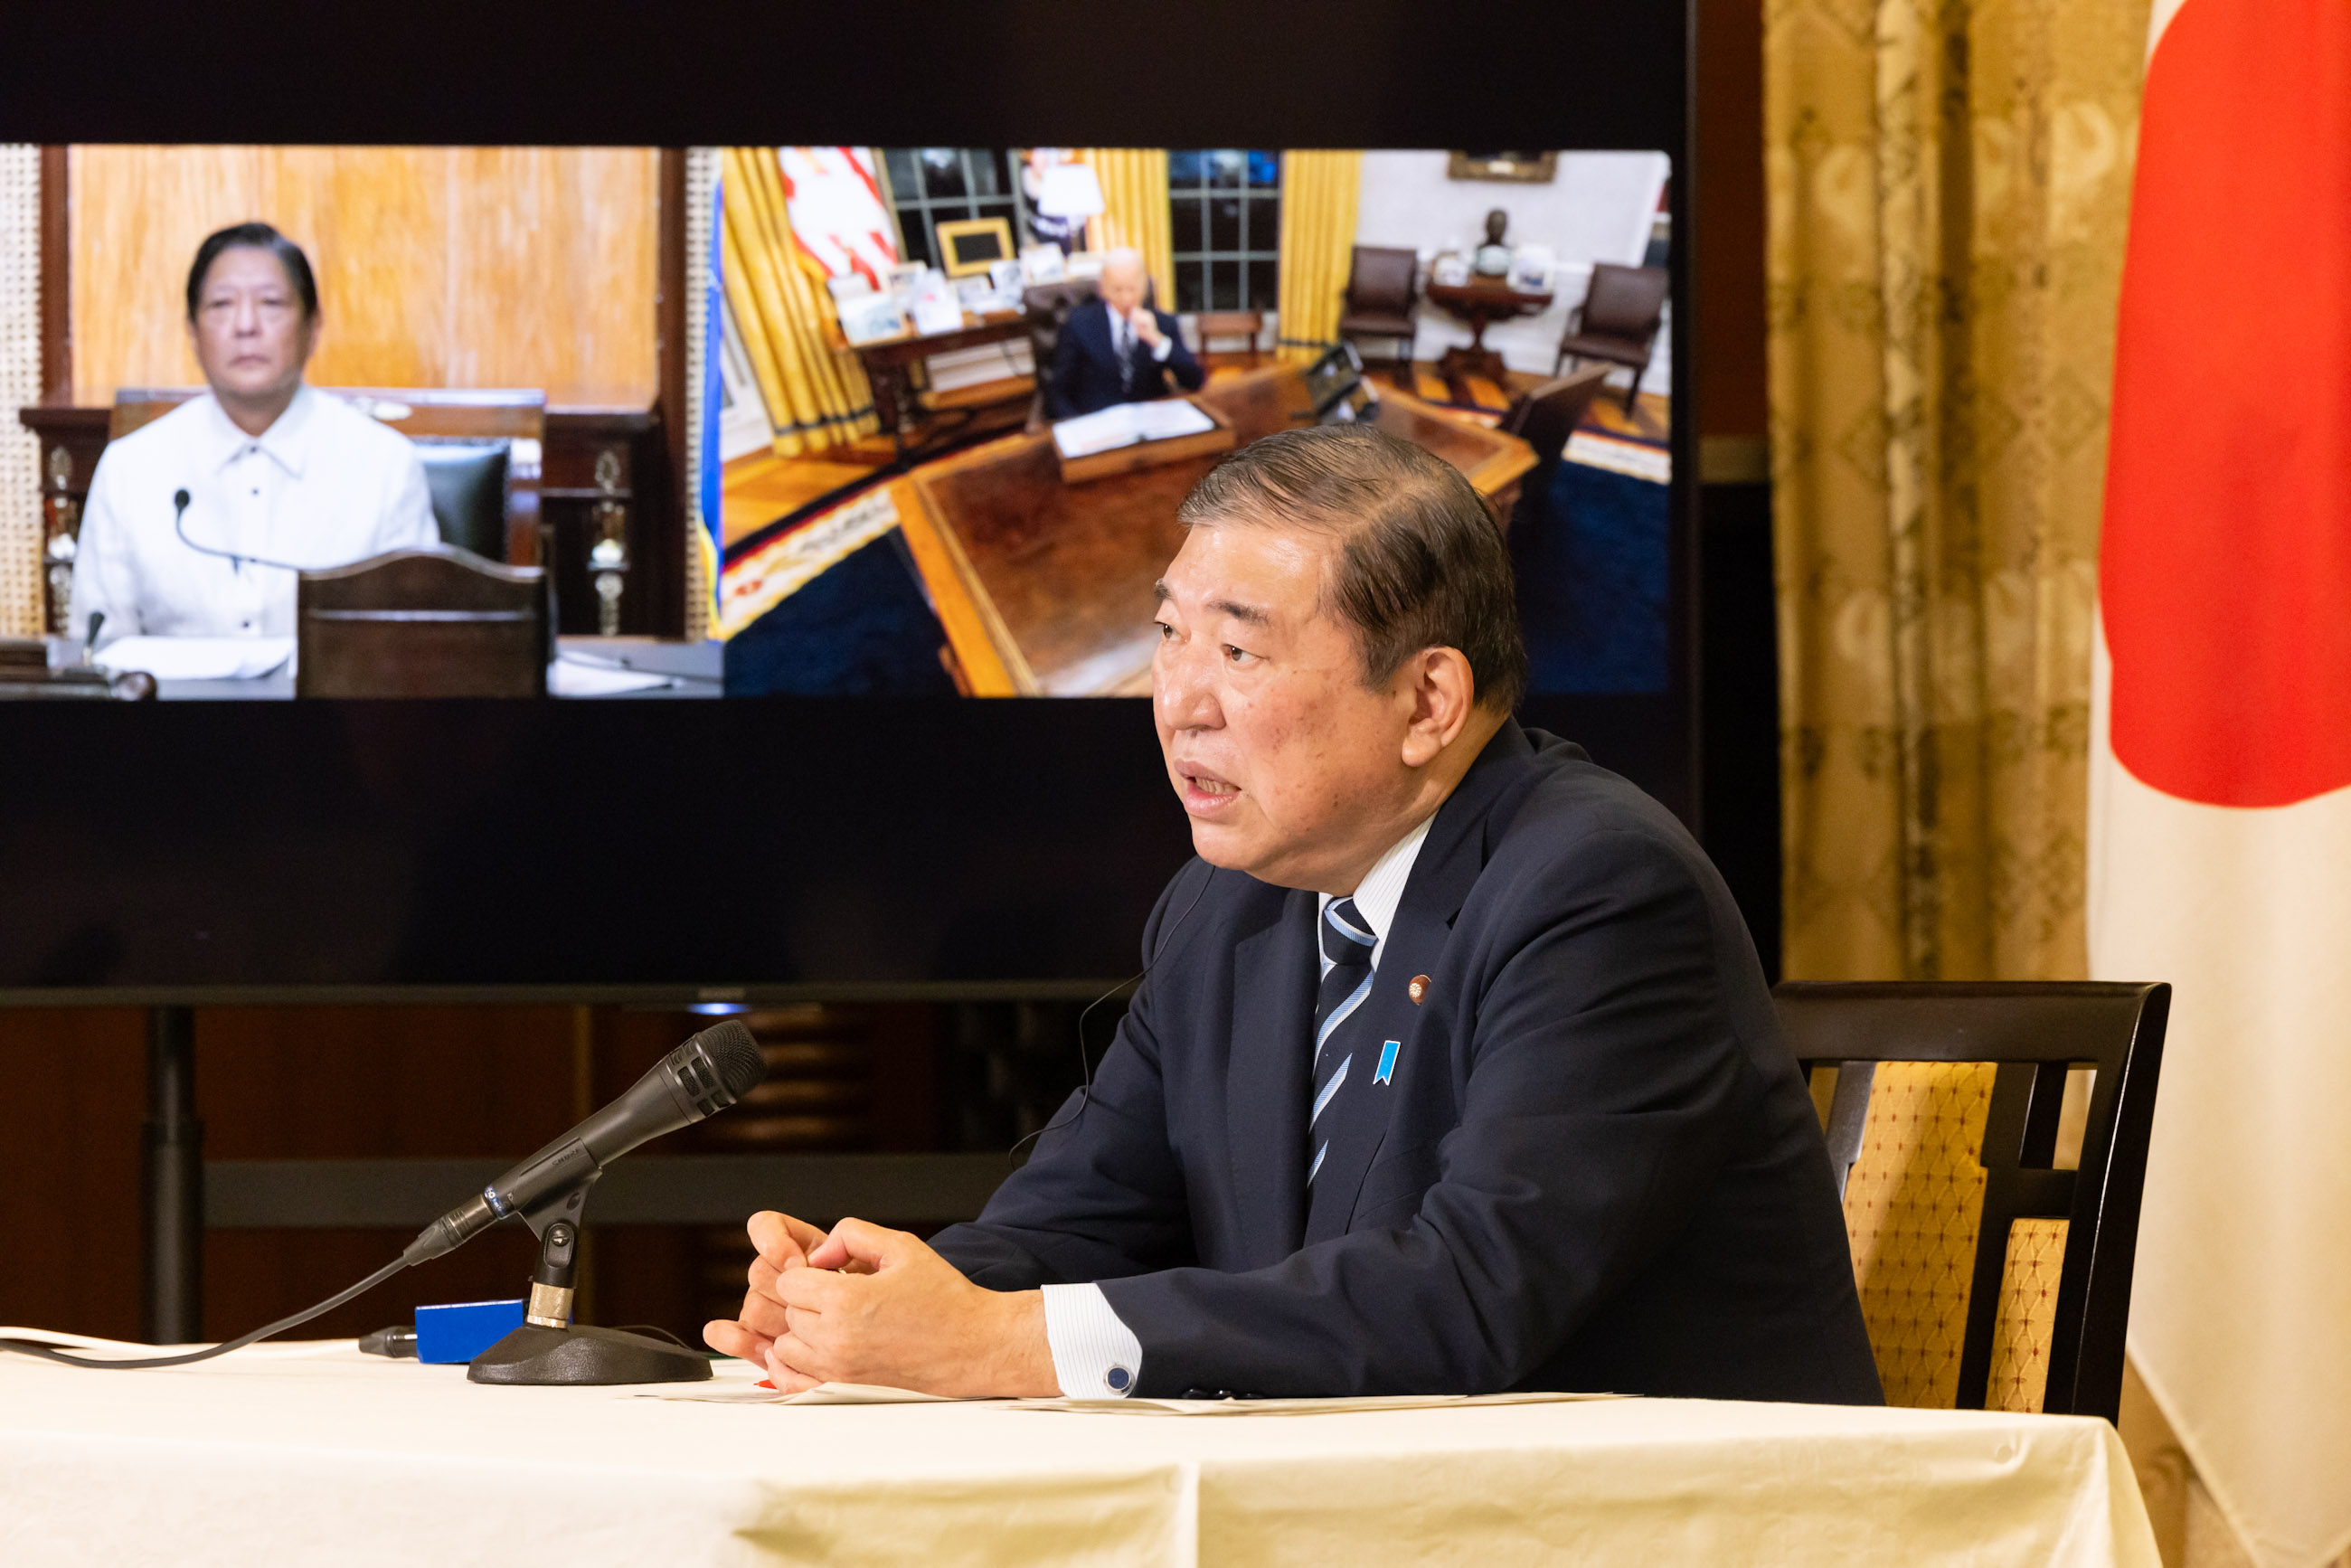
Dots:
pixel 2221 761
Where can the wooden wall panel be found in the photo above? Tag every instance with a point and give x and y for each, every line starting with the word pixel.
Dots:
pixel 437 266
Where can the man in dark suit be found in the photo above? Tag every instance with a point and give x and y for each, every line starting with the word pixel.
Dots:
pixel 1452 1068
pixel 1115 350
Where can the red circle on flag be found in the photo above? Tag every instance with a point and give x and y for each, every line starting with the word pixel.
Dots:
pixel 2225 562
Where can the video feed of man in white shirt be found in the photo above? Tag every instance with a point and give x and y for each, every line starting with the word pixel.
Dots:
pixel 196 523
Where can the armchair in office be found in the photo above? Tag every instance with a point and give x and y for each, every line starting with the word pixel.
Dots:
pixel 1622 310
pixel 1545 418
pixel 1046 308
pixel 1383 287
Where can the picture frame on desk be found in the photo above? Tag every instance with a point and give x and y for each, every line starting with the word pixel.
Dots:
pixel 1044 264
pixel 932 305
pixel 1518 168
pixel 969 246
pixel 904 276
pixel 870 317
pixel 1085 264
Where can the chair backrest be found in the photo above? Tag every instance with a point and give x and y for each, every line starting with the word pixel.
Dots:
pixel 1628 302
pixel 1046 308
pixel 1380 278
pixel 1988 1277
pixel 1546 416
pixel 468 480
pixel 421 623
pixel 453 429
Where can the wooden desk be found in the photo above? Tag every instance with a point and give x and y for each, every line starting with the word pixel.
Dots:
pixel 1476 304
pixel 1045 589
pixel 889 362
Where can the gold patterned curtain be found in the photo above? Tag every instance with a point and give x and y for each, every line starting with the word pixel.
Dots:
pixel 1134 209
pixel 815 391
pixel 1317 240
pixel 1949 186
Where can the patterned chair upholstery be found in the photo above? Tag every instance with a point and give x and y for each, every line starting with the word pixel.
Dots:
pixel 1989 1277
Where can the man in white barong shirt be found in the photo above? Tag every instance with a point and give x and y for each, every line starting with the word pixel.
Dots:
pixel 277 475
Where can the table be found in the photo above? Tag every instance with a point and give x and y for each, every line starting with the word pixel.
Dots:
pixel 1045 588
pixel 889 360
pixel 331 1456
pixel 693 670
pixel 1477 303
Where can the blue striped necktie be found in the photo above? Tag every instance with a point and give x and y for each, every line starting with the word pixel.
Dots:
pixel 1347 943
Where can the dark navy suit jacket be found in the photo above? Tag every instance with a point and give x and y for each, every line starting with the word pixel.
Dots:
pixel 1085 365
pixel 1593 1164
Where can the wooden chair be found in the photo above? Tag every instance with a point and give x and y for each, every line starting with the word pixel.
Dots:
pixel 1989 1279
pixel 1545 419
pixel 1211 325
pixel 482 451
pixel 1623 308
pixel 438 622
pixel 1382 289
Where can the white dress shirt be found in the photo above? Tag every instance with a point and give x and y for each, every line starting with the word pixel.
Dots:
pixel 1096 1355
pixel 324 485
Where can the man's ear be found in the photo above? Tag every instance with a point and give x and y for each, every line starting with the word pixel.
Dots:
pixel 1443 692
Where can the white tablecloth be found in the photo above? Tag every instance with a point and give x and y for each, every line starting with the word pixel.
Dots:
pixel 344 1458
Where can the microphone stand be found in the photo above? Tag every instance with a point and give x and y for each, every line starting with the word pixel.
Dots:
pixel 549 1348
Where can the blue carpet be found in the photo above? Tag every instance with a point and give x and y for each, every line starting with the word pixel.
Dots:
pixel 1592 570
pixel 861 629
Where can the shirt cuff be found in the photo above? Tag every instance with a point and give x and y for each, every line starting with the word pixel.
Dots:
pixel 1166 347
pixel 1095 1355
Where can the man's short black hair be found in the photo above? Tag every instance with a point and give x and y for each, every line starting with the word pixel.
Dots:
pixel 1422 563
pixel 255 236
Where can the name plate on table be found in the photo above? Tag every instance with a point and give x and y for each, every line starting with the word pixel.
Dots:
pixel 1126 436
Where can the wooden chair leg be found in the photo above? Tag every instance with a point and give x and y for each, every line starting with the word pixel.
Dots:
pixel 1632 392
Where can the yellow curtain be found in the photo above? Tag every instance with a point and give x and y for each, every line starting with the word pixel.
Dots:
pixel 1134 209
pixel 1318 241
pixel 1949 182
pixel 814 391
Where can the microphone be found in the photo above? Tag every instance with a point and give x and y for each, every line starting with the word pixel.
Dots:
pixel 178 527
pixel 707 1074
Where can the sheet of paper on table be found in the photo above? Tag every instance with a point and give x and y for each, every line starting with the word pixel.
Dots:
pixel 197 658
pixel 1128 424
pixel 582 675
pixel 822 1393
pixel 875 1393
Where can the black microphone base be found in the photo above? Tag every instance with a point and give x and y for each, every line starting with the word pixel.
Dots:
pixel 536 1357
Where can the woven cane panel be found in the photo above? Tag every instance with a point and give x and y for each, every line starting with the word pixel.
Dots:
pixel 2028 1316
pixel 20 383
pixel 1911 1208
pixel 701 178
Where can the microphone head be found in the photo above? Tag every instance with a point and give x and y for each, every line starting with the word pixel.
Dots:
pixel 179 500
pixel 719 1066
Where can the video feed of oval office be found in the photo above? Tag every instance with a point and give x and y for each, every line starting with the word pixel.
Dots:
pixel 596 424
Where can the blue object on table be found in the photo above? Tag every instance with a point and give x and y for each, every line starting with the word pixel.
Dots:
pixel 462 1329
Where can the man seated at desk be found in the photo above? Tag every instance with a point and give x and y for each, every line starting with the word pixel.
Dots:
pixel 1115 350
pixel 1452 1069
pixel 189 518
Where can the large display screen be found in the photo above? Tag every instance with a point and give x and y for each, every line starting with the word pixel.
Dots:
pixel 602 602
pixel 375 409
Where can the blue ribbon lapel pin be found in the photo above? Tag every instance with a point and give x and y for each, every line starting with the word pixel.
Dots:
pixel 1387 1061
